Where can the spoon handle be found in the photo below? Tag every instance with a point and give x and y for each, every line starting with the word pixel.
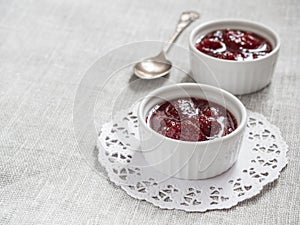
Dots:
pixel 186 18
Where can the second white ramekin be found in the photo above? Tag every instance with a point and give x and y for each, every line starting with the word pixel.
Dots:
pixel 237 77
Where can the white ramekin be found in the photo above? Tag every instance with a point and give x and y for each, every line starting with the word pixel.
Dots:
pixel 237 77
pixel 191 160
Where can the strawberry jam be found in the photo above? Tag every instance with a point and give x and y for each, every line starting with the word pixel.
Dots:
pixel 235 45
pixel 191 119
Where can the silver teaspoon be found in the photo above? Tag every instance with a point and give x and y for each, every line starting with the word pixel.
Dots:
pixel 159 65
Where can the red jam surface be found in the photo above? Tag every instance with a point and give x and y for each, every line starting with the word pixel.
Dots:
pixel 235 45
pixel 191 119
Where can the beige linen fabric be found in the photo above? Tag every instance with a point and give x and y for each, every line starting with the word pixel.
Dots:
pixel 45 48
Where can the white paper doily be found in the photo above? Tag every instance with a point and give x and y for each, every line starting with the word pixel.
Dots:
pixel 262 157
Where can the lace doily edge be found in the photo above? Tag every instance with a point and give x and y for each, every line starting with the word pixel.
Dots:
pixel 149 200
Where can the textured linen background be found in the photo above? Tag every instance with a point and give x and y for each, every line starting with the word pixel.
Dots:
pixel 45 48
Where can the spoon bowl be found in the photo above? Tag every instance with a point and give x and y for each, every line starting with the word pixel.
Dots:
pixel 153 67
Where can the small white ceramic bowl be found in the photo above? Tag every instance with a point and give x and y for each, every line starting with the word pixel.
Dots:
pixel 237 77
pixel 191 160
